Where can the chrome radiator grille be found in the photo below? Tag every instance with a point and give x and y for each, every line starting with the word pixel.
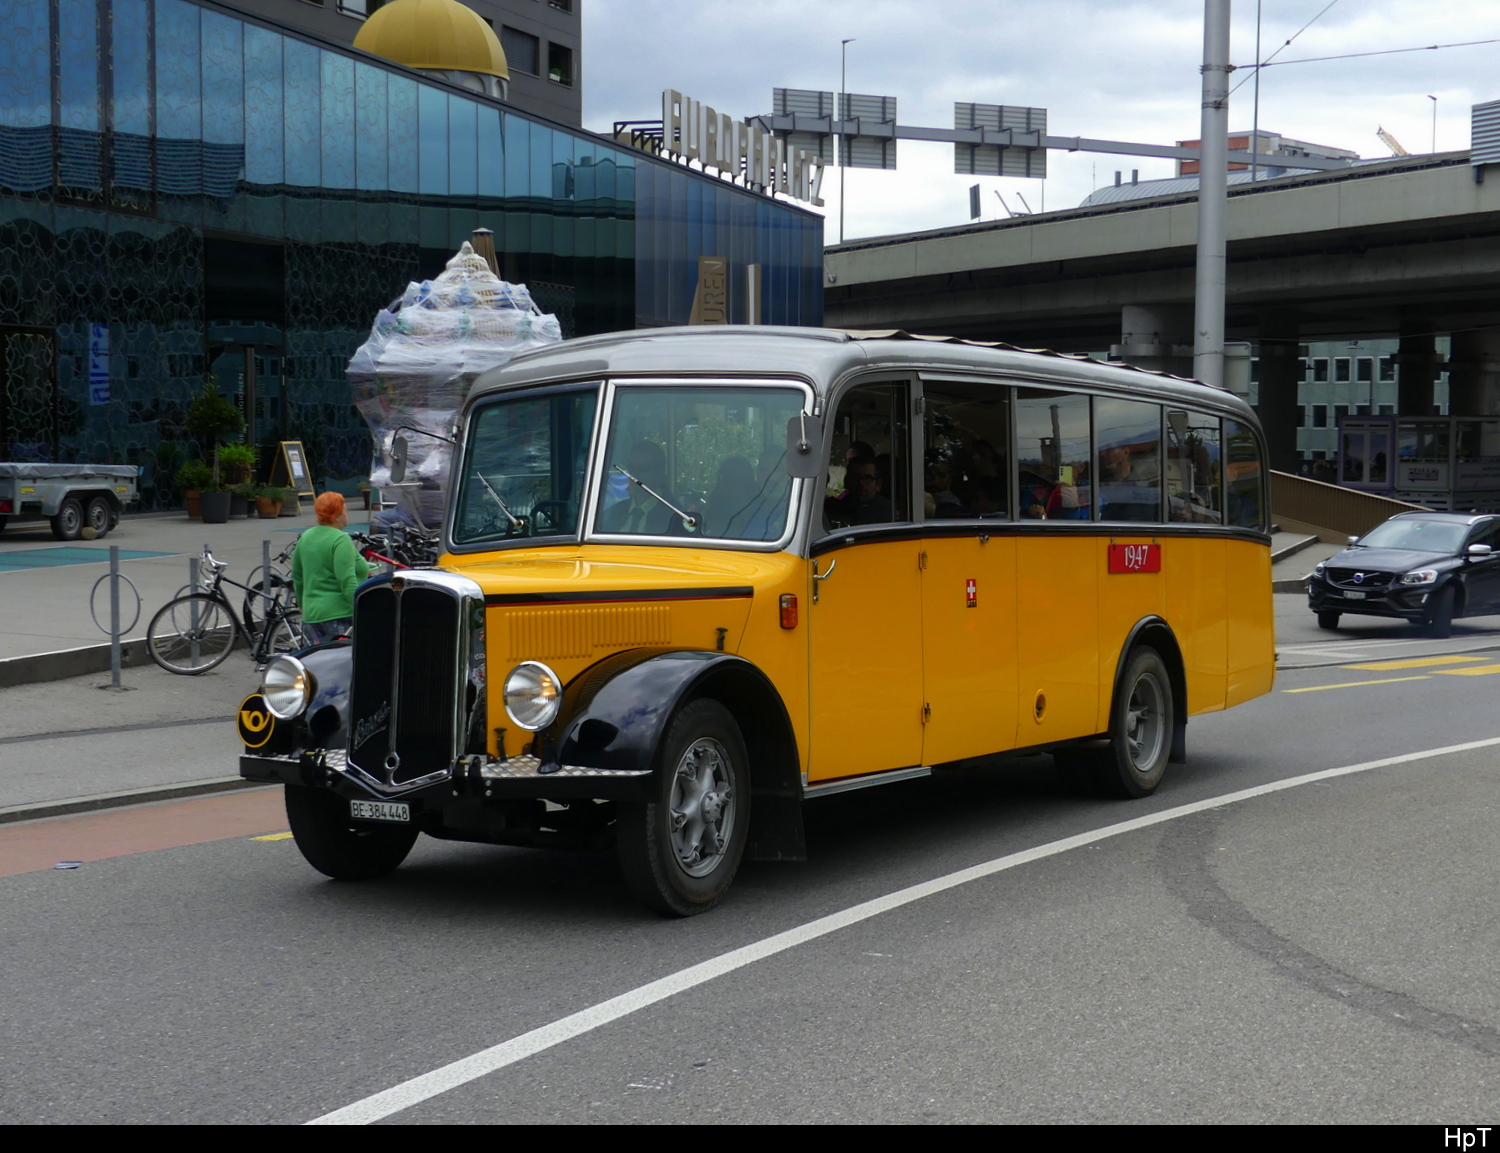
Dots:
pixel 412 647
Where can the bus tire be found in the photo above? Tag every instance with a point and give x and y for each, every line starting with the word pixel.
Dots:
pixel 334 845
pixel 680 850
pixel 1140 728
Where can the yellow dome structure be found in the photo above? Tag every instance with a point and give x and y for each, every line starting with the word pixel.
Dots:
pixel 441 38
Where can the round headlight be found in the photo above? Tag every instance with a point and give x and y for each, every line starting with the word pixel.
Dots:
pixel 287 687
pixel 533 694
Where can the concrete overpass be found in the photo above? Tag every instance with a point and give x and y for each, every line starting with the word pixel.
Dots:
pixel 1406 248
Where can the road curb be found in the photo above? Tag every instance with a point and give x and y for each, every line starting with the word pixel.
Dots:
pixel 37 811
pixel 65 663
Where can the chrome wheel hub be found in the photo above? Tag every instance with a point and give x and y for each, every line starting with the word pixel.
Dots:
pixel 1145 723
pixel 702 807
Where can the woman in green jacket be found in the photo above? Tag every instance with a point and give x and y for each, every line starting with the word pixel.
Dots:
pixel 326 569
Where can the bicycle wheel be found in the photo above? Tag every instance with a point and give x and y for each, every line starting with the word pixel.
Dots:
pixel 191 634
pixel 258 597
pixel 286 637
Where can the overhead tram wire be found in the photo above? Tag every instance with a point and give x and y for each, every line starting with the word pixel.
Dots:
pixel 1383 52
pixel 1259 63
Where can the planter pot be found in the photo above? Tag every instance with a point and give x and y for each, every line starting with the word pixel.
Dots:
pixel 236 475
pixel 239 506
pixel 215 506
pixel 194 504
pixel 267 508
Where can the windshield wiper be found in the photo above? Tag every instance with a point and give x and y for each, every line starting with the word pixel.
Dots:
pixel 515 521
pixel 688 519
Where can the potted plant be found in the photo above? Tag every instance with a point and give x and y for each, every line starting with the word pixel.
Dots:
pixel 240 498
pixel 268 501
pixel 193 477
pixel 210 418
pixel 237 460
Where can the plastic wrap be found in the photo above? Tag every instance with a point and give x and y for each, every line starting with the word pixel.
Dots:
pixel 422 355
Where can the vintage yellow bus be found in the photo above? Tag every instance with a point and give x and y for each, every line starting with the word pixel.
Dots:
pixel 695 577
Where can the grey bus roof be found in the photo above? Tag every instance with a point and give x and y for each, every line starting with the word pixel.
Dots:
pixel 823 356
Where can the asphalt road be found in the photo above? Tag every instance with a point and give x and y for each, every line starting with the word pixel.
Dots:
pixel 1319 953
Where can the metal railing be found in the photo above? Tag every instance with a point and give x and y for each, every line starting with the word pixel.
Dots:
pixel 1338 512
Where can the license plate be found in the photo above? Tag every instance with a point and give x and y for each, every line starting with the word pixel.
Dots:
pixel 379 811
pixel 1353 596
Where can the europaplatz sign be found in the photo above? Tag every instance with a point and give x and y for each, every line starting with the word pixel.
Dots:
pixel 691 130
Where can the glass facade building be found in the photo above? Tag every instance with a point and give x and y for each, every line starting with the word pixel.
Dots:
pixel 185 189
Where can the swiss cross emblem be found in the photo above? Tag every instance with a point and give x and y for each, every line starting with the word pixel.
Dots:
pixel 971 593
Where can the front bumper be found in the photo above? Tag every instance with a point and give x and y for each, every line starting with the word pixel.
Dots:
pixel 480 778
pixel 1404 603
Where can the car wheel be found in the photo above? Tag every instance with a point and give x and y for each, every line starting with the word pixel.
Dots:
pixel 68 523
pixel 1140 728
pixel 1328 620
pixel 680 850
pixel 99 517
pixel 338 847
pixel 1440 616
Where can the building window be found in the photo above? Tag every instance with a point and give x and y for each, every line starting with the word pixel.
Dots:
pixel 1320 368
pixel 522 50
pixel 561 5
pixel 1364 369
pixel 356 8
pixel 1387 368
pixel 1341 368
pixel 1302 367
pixel 1387 410
pixel 1361 410
pixel 1302 416
pixel 560 64
pixel 1340 411
pixel 1320 416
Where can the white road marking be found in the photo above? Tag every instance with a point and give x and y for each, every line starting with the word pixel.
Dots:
pixel 466 1069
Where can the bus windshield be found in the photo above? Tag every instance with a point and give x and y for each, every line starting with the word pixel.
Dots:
pixel 524 466
pixel 712 457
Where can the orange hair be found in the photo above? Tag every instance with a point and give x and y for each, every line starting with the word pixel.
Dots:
pixel 329 507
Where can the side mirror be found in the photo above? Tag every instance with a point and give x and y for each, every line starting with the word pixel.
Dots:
pixel 399 447
pixel 804 446
pixel 1479 551
pixel 1354 540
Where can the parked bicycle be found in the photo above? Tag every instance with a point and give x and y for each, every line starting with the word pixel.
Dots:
pixel 196 632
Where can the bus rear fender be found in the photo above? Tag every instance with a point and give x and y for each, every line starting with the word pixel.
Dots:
pixel 1156 633
pixel 615 715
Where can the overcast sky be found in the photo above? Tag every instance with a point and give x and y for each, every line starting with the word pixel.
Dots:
pixel 1107 69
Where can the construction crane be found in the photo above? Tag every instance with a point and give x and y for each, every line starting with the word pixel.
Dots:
pixel 1391 142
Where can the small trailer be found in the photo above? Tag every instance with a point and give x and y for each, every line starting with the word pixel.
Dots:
pixel 72 496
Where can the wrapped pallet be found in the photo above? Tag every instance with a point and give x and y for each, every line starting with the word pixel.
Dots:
pixel 422 355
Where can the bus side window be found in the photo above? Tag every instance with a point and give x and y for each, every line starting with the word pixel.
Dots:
pixel 869 474
pixel 1193 468
pixel 965 446
pixel 1128 434
pixel 1243 497
pixel 1053 479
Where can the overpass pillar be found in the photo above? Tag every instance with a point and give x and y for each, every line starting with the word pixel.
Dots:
pixel 1280 373
pixel 1157 336
pixel 1416 369
pixel 1474 374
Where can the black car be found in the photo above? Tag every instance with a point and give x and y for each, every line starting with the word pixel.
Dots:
pixel 1424 567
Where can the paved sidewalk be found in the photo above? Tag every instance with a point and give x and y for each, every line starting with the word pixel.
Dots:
pixel 46 605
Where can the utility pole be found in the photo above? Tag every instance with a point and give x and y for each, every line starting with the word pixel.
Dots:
pixel 1213 174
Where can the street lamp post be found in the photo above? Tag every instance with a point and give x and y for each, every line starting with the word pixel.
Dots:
pixel 838 114
pixel 1434 120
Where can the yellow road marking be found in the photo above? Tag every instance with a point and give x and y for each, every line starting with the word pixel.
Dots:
pixel 273 837
pixel 1474 671
pixel 1414 663
pixel 1356 684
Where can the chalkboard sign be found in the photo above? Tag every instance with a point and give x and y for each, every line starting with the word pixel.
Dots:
pixel 290 472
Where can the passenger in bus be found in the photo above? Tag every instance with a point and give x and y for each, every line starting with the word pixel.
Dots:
pixel 1041 499
pixel 1124 493
pixel 731 499
pixel 639 511
pixel 945 502
pixel 872 506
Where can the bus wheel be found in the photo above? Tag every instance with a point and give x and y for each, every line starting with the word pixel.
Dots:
pixel 1140 728
pixel 335 845
pixel 680 850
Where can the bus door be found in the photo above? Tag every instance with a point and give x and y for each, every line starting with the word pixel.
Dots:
pixel 968 579
pixel 1057 570
pixel 865 674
